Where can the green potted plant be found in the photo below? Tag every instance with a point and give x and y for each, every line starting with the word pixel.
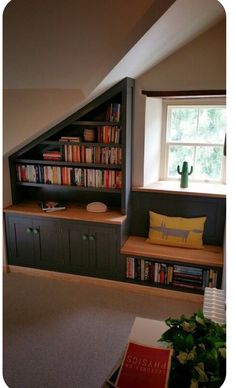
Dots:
pixel 199 356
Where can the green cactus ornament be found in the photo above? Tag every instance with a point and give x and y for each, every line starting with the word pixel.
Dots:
pixel 184 174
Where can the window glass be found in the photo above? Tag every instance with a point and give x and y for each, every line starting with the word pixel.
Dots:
pixel 208 163
pixel 196 134
pixel 177 154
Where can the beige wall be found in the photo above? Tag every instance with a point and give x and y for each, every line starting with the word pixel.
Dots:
pixel 200 64
pixel 30 112
pixel 27 114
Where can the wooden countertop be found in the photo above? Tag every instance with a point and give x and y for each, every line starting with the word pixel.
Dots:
pixel 210 255
pixel 73 212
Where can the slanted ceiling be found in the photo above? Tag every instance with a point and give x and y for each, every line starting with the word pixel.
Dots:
pixel 71 44
pixel 80 44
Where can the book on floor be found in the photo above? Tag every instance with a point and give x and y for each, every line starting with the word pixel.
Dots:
pixel 51 206
pixel 144 366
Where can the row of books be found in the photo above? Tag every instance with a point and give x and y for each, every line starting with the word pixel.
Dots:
pixel 147 270
pixel 113 112
pixel 81 177
pixel 170 274
pixel 107 179
pixel 92 154
pixel 109 134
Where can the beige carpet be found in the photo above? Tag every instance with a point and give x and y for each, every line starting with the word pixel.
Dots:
pixel 62 334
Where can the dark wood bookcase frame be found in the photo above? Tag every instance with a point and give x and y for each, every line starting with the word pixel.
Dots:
pixel 92 115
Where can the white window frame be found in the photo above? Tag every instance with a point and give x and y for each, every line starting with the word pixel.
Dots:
pixel 181 102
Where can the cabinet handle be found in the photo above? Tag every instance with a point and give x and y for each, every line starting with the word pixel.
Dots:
pixel 29 230
pixel 91 238
pixel 84 237
pixel 35 231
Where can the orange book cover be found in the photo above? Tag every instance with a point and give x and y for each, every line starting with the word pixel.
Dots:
pixel 144 367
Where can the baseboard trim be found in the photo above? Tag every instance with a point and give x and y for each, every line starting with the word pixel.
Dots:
pixel 185 296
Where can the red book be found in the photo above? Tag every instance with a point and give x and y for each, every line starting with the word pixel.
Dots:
pixel 144 367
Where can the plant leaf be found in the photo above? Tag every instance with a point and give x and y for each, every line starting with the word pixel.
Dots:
pixel 222 352
pixel 189 341
pixel 201 373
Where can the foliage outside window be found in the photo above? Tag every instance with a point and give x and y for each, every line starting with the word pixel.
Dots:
pixel 196 133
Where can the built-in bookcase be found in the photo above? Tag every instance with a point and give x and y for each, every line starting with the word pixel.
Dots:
pixel 85 158
pixel 171 275
pixel 172 268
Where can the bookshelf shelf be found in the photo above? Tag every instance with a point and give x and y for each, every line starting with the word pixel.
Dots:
pixel 87 144
pixel 96 123
pixel 63 163
pixel 67 187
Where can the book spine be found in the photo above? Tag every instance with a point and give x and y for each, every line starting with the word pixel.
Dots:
pixel 184 285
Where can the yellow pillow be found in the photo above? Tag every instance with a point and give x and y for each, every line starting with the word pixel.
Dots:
pixel 176 231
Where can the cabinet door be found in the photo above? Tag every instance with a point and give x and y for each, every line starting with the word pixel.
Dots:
pixel 76 248
pixel 103 250
pixel 48 243
pixel 91 249
pixel 20 241
pixel 34 242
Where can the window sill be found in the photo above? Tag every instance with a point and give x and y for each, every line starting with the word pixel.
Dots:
pixel 199 189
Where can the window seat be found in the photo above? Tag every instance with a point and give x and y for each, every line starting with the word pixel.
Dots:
pixel 210 255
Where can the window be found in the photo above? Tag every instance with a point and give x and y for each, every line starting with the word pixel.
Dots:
pixel 194 131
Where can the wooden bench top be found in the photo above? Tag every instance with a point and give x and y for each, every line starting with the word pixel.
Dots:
pixel 210 255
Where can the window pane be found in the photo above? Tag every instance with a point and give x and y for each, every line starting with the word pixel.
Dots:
pixel 183 124
pixel 208 163
pixel 199 124
pixel 211 127
pixel 177 155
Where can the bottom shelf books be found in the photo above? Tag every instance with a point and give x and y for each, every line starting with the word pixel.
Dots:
pixel 182 276
pixel 143 366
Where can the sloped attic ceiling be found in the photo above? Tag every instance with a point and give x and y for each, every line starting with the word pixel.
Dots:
pixel 71 44
pixel 180 24
pixel 79 43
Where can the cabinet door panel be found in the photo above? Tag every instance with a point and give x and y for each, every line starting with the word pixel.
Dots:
pixel 77 248
pixel 103 250
pixel 21 242
pixel 48 240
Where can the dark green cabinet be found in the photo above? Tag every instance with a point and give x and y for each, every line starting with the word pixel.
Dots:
pixel 91 249
pixel 34 242
pixel 84 248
